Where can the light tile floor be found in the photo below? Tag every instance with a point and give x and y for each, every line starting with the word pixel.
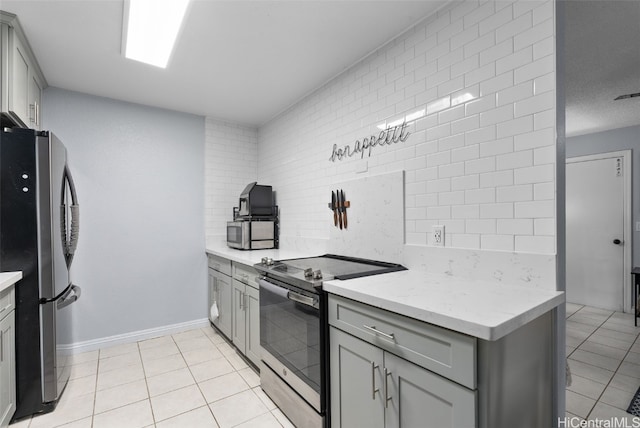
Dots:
pixel 604 358
pixel 191 379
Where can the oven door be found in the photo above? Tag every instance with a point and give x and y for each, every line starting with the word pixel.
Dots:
pixel 291 339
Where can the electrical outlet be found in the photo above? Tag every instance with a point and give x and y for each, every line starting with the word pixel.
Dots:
pixel 437 236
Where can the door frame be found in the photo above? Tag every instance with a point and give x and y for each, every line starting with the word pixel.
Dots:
pixel 627 159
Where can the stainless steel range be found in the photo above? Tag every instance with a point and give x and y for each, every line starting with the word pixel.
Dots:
pixel 294 330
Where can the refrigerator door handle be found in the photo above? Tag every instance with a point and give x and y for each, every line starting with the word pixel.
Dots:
pixel 71 297
pixel 70 240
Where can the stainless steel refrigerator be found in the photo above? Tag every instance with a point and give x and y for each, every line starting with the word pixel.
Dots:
pixel 38 236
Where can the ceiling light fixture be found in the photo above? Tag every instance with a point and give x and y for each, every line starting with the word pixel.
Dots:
pixel 150 29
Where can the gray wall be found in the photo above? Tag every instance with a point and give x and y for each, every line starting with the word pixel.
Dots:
pixel 139 173
pixel 611 141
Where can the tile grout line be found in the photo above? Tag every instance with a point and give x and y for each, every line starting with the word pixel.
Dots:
pixel 598 400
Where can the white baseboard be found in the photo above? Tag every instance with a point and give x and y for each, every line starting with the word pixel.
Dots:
pixel 134 336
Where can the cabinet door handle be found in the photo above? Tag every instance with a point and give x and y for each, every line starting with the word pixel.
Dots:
pixel 3 309
pixel 244 300
pixel 1 346
pixel 387 398
pixel 376 331
pixel 373 380
pixel 32 113
pixel 240 300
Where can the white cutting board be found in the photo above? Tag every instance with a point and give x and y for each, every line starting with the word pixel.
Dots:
pixel 375 227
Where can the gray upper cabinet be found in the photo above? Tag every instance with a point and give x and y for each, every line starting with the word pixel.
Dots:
pixel 21 79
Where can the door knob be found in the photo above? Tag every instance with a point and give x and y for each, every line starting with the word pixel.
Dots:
pixel 617 241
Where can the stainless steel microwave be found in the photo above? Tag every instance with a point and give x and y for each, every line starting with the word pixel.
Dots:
pixel 252 235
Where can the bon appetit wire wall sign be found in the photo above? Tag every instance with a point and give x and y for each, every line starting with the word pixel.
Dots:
pixel 388 136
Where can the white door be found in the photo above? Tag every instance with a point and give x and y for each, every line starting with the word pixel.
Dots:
pixel 595 212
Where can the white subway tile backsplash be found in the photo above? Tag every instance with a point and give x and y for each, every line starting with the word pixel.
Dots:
pixel 535 244
pixel 522 226
pixel 451 170
pixel 451 198
pixel 480 135
pixel 466 124
pixel 465 182
pixel 537 68
pixel 465 153
pixel 515 60
pixel 514 93
pixel 478 166
pixel 501 210
pixel 496 52
pixel 496 147
pixel 481 74
pixel 532 140
pixel 523 192
pixel 465 211
pixel 544 191
pixel 535 104
pixel 534 174
pixel 498 19
pixel 514 27
pixel 533 35
pixel 544 226
pixel 480 196
pixel 535 209
pixel 484 72
pixel 495 84
pixel 485 226
pixel 497 242
pixel 496 179
pixel 464 241
pixel 499 114
pixel 544 155
pixel 517 126
pixel 544 47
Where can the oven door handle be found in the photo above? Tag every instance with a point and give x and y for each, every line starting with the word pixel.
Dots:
pixel 305 300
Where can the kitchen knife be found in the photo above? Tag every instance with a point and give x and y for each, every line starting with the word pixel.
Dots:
pixel 339 212
pixel 344 209
pixel 334 207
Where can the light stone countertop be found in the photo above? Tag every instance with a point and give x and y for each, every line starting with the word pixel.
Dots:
pixel 7 279
pixel 484 309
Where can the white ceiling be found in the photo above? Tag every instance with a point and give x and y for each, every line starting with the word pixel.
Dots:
pixel 602 62
pixel 242 61
pixel 247 61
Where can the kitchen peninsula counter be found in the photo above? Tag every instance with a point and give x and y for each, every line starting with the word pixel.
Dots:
pixel 7 279
pixel 483 309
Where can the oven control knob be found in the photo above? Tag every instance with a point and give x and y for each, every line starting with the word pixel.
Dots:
pixel 317 274
pixel 308 273
pixel 263 261
pixel 269 261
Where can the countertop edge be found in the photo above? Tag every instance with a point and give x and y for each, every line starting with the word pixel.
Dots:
pixel 7 279
pixel 471 328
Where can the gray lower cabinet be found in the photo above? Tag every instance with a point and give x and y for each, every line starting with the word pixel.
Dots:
pixel 7 358
pixel 356 379
pixel 246 312
pixel 220 292
pixel 374 388
pixel 389 370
